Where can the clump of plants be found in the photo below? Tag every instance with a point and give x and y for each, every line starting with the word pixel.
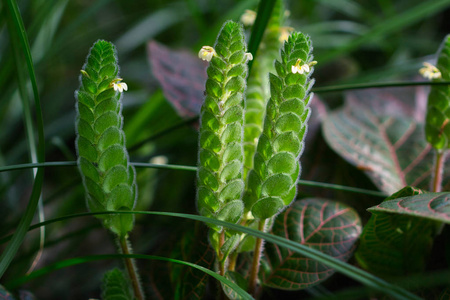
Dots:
pixel 253 124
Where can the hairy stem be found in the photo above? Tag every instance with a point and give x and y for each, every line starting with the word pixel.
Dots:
pixel 438 171
pixel 256 260
pixel 131 269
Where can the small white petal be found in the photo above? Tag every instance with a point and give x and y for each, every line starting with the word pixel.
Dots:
pixel 305 68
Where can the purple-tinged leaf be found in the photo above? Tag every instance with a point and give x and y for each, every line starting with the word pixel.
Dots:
pixel 324 225
pixel 396 244
pixel 182 77
pixel 433 206
pixel 379 134
pixel 5 295
pixel 26 295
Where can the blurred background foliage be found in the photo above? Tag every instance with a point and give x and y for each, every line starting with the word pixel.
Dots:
pixel 355 41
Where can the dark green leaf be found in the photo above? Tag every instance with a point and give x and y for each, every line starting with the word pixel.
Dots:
pixel 324 225
pixel 394 244
pixel 432 206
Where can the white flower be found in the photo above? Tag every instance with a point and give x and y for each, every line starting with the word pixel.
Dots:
pixel 119 86
pixel 429 71
pixel 248 18
pixel 302 68
pixel 248 56
pixel 206 53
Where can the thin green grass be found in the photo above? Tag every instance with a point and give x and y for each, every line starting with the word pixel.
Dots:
pixel 342 267
pixel 386 27
pixel 11 249
pixel 193 169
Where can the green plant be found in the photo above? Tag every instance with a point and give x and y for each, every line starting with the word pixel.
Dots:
pixel 266 229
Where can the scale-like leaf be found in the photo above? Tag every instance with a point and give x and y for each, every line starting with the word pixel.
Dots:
pixel 437 126
pixel 116 286
pixel 433 206
pixel 324 225
pixel 182 77
pixel 396 244
pixel 379 134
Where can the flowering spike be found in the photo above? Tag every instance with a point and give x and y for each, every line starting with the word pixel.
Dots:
pixel 272 183
pixel 108 176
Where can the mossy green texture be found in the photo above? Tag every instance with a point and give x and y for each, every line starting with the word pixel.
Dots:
pixel 108 177
pixel 437 127
pixel 116 286
pixel 276 167
pixel 258 85
pixel 220 170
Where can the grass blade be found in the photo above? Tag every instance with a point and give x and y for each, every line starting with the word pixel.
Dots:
pixel 349 270
pixel 192 169
pixel 17 239
pixel 85 259
pixel 262 18
pixel 395 23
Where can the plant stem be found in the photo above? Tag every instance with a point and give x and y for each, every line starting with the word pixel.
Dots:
pixel 131 269
pixel 256 260
pixel 232 261
pixel 438 171
pixel 221 256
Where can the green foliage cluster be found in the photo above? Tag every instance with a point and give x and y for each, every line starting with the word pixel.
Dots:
pixel 258 92
pixel 252 132
pixel 103 160
pixel 272 183
pixel 220 182
pixel 116 286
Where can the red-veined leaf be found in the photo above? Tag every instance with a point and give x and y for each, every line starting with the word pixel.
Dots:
pixel 324 225
pixel 381 134
pixel 433 206
pixel 396 244
pixel 191 283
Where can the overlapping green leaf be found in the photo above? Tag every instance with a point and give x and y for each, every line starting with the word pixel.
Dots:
pixel 116 286
pixel 324 225
pixel 382 135
pixel 395 244
pixel 437 126
pixel 108 177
